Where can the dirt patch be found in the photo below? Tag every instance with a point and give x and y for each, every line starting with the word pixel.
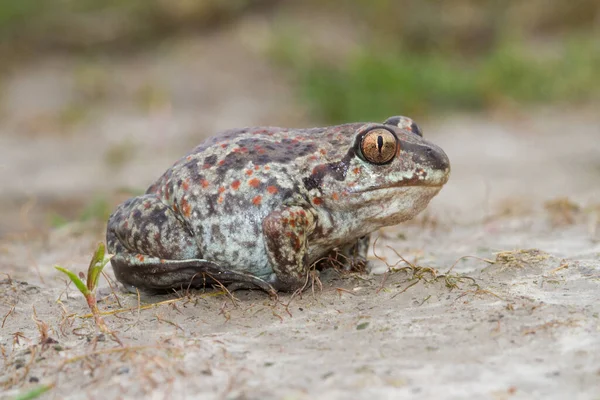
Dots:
pixel 495 327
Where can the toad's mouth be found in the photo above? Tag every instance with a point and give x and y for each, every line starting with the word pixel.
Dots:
pixel 405 184
pixel 417 180
pixel 380 188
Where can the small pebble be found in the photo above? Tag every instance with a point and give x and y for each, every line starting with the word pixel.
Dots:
pixel 123 370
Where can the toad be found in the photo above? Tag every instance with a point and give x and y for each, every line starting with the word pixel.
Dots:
pixel 256 207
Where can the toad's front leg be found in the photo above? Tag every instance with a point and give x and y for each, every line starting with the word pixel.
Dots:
pixel 352 256
pixel 286 231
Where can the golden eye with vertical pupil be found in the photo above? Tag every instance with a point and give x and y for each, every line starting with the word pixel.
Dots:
pixel 378 146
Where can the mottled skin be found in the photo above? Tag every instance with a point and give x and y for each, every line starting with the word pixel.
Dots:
pixel 255 207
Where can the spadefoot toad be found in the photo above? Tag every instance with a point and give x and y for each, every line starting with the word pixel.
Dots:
pixel 255 207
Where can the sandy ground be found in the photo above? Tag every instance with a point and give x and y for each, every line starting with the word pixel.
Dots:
pixel 521 322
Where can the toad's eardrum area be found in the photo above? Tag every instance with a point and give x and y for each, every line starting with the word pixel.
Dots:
pixel 255 207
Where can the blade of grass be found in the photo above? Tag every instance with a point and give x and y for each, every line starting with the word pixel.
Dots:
pixel 35 392
pixel 75 279
pixel 97 263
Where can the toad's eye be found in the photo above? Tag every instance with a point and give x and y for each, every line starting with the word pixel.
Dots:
pixel 378 146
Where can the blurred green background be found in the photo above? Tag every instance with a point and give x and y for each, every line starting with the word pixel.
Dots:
pixel 378 57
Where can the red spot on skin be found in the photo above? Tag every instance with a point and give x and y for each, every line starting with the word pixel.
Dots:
pixel 186 184
pixel 335 196
pixel 266 168
pixel 140 257
pixel 249 172
pixel 224 145
pixel 254 182
pixel 235 184
pixel 317 201
pixel 256 201
pixel 323 151
pixel 185 207
pixel 313 158
pixel 175 208
pixel 220 199
pixel 204 183
pixel 188 158
pixel 356 170
pixel 240 150
pixel 162 261
pixel 221 162
pixel 147 205
pixel 256 167
pixel 221 189
pixel 272 189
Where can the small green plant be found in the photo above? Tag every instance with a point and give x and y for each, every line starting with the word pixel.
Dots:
pixel 88 289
